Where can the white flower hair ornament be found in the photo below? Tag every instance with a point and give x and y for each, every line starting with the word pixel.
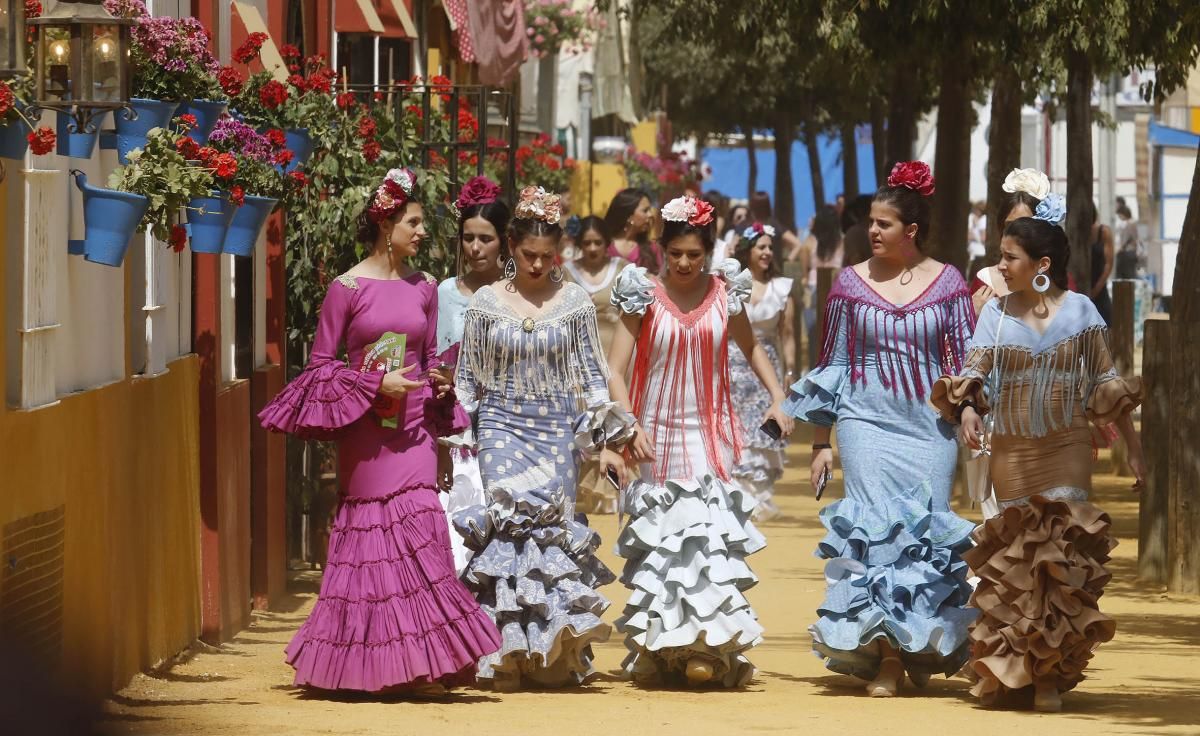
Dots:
pixel 1030 181
pixel 693 211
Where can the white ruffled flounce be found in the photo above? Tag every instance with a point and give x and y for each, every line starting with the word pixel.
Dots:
pixel 685 548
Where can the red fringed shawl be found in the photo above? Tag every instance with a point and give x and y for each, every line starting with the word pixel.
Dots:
pixel 902 339
pixel 695 359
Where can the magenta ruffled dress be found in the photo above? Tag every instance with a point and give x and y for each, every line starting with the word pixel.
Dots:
pixel 391 610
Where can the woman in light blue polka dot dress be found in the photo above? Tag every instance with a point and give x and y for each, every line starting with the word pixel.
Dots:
pixel 533 375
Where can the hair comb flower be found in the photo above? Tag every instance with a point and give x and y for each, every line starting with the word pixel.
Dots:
pixel 536 203
pixel 395 191
pixel 914 175
pixel 757 230
pixel 479 190
pixel 695 212
pixel 1030 181
pixel 1052 209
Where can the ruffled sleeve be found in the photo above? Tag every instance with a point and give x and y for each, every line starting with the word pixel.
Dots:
pixel 328 396
pixel 950 391
pixel 1107 396
pixel 632 291
pixel 815 397
pixel 738 284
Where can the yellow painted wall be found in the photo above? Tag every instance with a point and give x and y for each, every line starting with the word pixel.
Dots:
pixel 645 137
pixel 593 186
pixel 122 461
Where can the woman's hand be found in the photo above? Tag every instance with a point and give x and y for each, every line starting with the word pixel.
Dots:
pixel 612 459
pixel 981 297
pixel 785 420
pixel 641 449
pixel 970 430
pixel 822 463
pixel 445 469
pixel 441 380
pixel 395 385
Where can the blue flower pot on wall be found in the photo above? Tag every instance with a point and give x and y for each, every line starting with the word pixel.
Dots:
pixel 207 113
pixel 208 220
pixel 110 219
pixel 81 144
pixel 135 124
pixel 13 140
pixel 247 223
pixel 299 142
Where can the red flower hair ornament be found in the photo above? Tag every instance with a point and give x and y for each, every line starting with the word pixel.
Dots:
pixel 479 190
pixel 914 175
pixel 695 212
pixel 391 196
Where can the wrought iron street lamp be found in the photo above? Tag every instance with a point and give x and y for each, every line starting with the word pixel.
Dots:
pixel 12 38
pixel 81 65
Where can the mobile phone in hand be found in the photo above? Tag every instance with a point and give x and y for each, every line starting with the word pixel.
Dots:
pixel 611 476
pixel 824 481
pixel 772 429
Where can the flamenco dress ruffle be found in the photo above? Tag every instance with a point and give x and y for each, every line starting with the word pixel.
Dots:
pixel 685 549
pixel 534 571
pixel 1041 571
pixel 391 612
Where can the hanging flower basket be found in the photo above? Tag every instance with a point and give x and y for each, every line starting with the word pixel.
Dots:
pixel 247 223
pixel 13 140
pixel 81 144
pixel 300 143
pixel 135 124
pixel 208 219
pixel 207 113
pixel 110 219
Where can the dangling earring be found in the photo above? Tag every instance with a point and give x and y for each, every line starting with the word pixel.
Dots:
pixel 556 273
pixel 510 269
pixel 1041 282
pixel 389 244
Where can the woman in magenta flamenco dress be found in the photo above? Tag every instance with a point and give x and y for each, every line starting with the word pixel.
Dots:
pixel 391 615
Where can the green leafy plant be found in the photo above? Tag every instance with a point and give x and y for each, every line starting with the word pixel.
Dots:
pixel 163 175
pixel 554 25
pixel 305 100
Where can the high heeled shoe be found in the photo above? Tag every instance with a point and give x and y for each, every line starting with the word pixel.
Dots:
pixel 698 671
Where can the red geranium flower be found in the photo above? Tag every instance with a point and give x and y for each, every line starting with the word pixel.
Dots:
pixel 289 51
pixel 372 150
pixel 237 195
pixel 273 94
pixel 345 100
pixel 248 51
pixel 283 157
pixel 298 82
pixel 7 99
pixel 178 238
pixel 299 178
pixel 187 148
pixel 41 141
pixel 367 128
pixel 206 155
pixel 378 97
pixel 33 9
pixel 320 83
pixel 226 165
pixel 186 121
pixel 277 137
pixel 231 81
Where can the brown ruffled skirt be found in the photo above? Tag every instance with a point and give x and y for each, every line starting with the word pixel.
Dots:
pixel 1041 571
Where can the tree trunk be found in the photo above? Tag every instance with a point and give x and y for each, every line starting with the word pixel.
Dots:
pixel 849 162
pixel 814 167
pixel 879 140
pixel 752 158
pixel 1079 167
pixel 1004 150
pixel 1185 299
pixel 785 198
pixel 951 202
pixel 902 120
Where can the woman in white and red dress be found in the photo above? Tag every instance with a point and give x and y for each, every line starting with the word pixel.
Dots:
pixel 690 531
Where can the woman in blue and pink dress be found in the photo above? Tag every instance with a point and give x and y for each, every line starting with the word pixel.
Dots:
pixel 391 615
pixel 897 586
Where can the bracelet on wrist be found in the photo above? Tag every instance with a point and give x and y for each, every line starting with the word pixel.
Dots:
pixel 818 446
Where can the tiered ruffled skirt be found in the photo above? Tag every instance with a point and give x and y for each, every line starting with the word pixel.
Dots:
pixel 685 548
pixel 894 574
pixel 760 465
pixel 1041 571
pixel 391 611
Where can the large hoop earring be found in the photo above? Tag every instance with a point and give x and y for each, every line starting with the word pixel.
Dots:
pixel 510 269
pixel 1041 282
pixel 556 274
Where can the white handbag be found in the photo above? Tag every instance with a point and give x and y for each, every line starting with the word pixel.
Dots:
pixel 979 467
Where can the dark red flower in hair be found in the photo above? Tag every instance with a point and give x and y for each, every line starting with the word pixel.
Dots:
pixel 914 175
pixel 178 238
pixel 41 141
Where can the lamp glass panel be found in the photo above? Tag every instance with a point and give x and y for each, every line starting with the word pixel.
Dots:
pixel 56 62
pixel 104 64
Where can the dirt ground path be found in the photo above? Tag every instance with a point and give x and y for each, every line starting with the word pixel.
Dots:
pixel 1146 681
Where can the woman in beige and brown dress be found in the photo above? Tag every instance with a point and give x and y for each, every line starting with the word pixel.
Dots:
pixel 595 270
pixel 1039 364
